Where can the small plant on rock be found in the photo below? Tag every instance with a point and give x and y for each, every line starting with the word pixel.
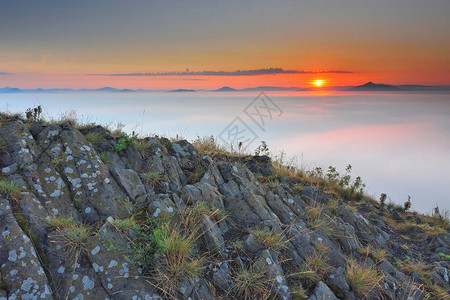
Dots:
pixel 153 178
pixel 95 138
pixel 315 267
pixel 59 222
pixel 174 261
pixel 363 279
pixel 10 189
pixel 74 237
pixel 317 219
pixel 383 197
pixel 33 114
pixel 407 204
pixel 104 157
pixel 269 238
pixel 377 254
pixel 442 218
pixel 251 283
pixel 123 142
pixel 333 205
pixel 262 149
pixel 143 147
pixel 125 224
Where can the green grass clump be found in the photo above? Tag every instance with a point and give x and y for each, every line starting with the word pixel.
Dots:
pixel 165 252
pixel 10 189
pixel 269 238
pixel 317 219
pixel 427 228
pixel 125 224
pixel 95 138
pixel 251 283
pixel 153 178
pixel 315 267
pixel 123 142
pixel 363 279
pixel 74 237
pixel 333 205
pixel 76 234
pixel 143 147
pixel 105 157
pixel 298 293
pixel 59 222
pixel 444 256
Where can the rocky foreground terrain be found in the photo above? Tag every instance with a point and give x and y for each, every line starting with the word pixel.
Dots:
pixel 86 213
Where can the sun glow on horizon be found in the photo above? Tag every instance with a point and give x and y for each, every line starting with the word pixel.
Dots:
pixel 318 83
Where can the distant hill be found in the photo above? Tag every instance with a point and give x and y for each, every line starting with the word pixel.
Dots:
pixel 182 91
pixel 370 86
pixel 10 90
pixel 225 89
pixel 106 89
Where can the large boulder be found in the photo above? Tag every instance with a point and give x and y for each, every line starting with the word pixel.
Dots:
pixel 107 252
pixel 22 272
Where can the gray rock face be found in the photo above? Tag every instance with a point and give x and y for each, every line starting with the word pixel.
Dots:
pixel 388 269
pixel 347 239
pixel 213 235
pixel 20 267
pixel 268 263
pixel 440 244
pixel 364 230
pixel 322 292
pixel 59 174
pixel 120 278
pixel 20 147
pixel 130 181
pixel 222 276
pixel 243 198
pixel 337 282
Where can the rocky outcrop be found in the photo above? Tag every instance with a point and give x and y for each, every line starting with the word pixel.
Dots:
pixel 63 196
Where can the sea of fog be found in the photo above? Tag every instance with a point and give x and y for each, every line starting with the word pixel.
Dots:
pixel 398 143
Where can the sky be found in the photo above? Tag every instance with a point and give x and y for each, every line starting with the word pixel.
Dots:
pixel 92 44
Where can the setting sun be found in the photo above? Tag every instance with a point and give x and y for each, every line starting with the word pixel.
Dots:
pixel 318 83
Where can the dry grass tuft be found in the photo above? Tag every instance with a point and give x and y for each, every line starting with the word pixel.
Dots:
pixel 269 238
pixel 143 147
pixel 377 254
pixel 315 267
pixel 251 283
pixel 317 219
pixel 363 279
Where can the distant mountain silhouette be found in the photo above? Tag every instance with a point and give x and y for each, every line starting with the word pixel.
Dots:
pixel 107 89
pixel 370 86
pixel 10 90
pixel 182 91
pixel 225 89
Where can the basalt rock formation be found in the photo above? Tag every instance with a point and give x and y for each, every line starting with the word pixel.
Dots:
pixel 63 199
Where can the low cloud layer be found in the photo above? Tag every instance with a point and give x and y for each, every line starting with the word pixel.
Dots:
pixel 269 71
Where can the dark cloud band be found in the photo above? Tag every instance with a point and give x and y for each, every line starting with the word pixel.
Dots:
pixel 269 71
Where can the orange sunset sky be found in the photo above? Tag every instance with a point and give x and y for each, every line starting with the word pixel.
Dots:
pixel 61 44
